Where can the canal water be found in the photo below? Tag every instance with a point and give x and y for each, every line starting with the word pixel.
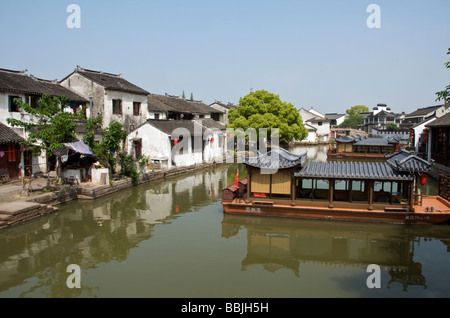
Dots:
pixel 170 239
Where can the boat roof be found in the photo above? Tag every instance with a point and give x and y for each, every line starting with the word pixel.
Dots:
pixel 352 170
pixel 360 140
pixel 277 158
pixel 408 162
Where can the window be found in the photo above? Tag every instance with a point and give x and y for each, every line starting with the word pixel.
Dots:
pixel 319 123
pixel 117 106
pixel 32 101
pixel 156 116
pixel 12 107
pixel 359 191
pixel 136 108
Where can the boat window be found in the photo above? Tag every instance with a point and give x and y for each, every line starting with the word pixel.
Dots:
pixel 359 191
pixel 341 190
pixel 382 192
pixel 321 189
pixel 341 185
pixel 304 188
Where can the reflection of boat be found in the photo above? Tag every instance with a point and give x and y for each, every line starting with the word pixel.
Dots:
pixel 280 184
pixel 276 243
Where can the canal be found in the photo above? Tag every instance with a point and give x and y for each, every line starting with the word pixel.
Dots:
pixel 170 239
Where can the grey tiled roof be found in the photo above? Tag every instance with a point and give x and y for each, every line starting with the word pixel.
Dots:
pixel 360 140
pixel 7 135
pixel 169 126
pixel 20 83
pixel 277 158
pixel 178 105
pixel 352 170
pixel 420 112
pixel 406 161
pixel 443 121
pixel 110 81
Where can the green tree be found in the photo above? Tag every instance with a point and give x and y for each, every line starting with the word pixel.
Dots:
pixel 392 126
pixel 357 110
pixel 107 150
pixel 183 96
pixel 262 109
pixel 354 118
pixel 445 94
pixel 192 96
pixel 352 122
pixel 49 128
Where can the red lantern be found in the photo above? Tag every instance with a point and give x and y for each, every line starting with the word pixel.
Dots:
pixel 175 142
pixel 423 179
pixel 212 139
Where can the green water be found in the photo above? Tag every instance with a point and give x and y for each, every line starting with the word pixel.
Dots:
pixel 170 239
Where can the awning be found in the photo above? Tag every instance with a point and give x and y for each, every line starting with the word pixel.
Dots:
pixel 79 147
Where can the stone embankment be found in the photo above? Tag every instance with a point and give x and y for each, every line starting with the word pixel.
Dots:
pixel 31 207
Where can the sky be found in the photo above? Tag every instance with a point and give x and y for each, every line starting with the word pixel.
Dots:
pixel 319 54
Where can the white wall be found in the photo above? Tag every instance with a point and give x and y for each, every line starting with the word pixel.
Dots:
pixel 418 130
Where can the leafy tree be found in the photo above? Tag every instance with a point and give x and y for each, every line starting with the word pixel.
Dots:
pixel 192 96
pixel 445 94
pixel 356 110
pixel 183 96
pixel 354 118
pixel 392 126
pixel 49 126
pixel 108 148
pixel 352 122
pixel 262 109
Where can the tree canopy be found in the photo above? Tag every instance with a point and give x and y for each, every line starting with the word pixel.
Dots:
pixel 49 127
pixel 354 116
pixel 262 109
pixel 445 94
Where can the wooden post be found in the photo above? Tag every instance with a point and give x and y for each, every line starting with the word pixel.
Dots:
pixel 371 195
pixel 249 182
pixel 331 187
pixel 292 189
pixel 411 196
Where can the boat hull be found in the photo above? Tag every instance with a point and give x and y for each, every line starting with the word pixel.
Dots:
pixel 333 214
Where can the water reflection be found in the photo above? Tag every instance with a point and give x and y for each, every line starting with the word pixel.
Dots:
pixel 278 244
pixel 165 222
pixel 88 233
pixel 317 152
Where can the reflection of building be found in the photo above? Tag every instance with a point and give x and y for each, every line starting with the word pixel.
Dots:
pixel 277 244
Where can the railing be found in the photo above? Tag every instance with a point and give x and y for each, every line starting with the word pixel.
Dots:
pixel 444 186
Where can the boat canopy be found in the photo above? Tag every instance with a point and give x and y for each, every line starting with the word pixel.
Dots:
pixel 277 158
pixel 352 170
pixel 406 161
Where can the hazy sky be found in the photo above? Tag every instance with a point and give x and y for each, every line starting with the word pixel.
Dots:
pixel 317 54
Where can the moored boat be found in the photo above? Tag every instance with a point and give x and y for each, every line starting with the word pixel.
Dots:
pixel 282 184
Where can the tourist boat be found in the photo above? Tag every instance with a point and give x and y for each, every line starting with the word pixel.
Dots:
pixel 362 147
pixel 282 184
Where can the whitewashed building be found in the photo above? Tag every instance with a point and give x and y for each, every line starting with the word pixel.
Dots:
pixel 110 96
pixel 221 114
pixel 317 124
pixel 178 143
pixel 28 88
